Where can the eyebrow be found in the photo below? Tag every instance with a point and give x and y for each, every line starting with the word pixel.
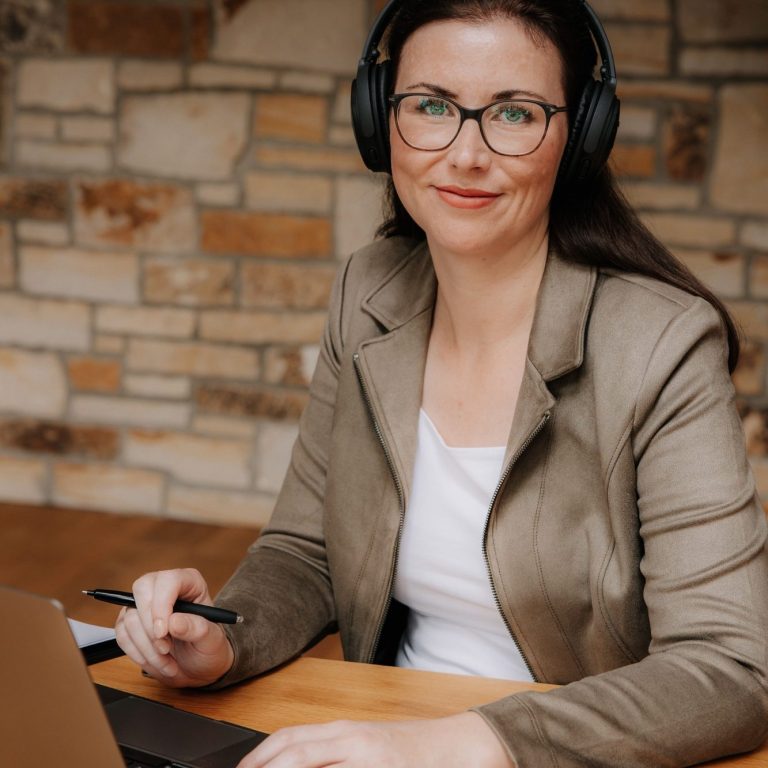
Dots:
pixel 445 93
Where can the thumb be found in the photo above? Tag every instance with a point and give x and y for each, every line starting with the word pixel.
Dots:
pixel 188 628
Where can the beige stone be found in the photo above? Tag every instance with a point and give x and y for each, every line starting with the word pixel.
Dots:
pixel 262 327
pixel 334 159
pixel 67 85
pixel 637 123
pixel 107 344
pixel 87 129
pixel 7 263
pixel 753 318
pixel 647 10
pixel 139 75
pixel 193 359
pixel 288 193
pixel 22 480
pixel 129 410
pixel 671 90
pixel 217 194
pixel 138 214
pixel 223 427
pixel 29 322
pixel 73 156
pixel 80 274
pixel 206 75
pixel 640 50
pixel 306 82
pixel 724 62
pixel 292 366
pixel 220 507
pixel 358 212
pixel 653 195
pixel 191 458
pixel 749 376
pixel 32 383
pixel 341 136
pixel 754 234
pixel 146 321
pixel 739 179
pixel 42 232
pixel 291 117
pixel 107 488
pixel 328 37
pixel 274 444
pixel 760 471
pixel 723 273
pixel 691 230
pixel 296 286
pixel 172 387
pixel 190 282
pixel 183 134
pixel 29 125
pixel 342 112
pixel 716 21
pixel 758 277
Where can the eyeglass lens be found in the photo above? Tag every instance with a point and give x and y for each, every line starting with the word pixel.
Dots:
pixel 510 127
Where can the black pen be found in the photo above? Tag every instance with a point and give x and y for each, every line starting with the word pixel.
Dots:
pixel 216 615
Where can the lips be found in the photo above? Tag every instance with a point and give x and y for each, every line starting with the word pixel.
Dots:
pixel 466 197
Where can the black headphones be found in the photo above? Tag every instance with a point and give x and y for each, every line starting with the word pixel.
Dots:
pixel 593 127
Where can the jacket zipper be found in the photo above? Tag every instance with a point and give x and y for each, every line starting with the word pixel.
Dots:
pixel 494 498
pixel 400 498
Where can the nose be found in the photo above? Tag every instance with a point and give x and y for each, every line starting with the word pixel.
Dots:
pixel 469 149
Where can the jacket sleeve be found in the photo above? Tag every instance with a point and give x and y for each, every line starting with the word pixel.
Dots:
pixel 282 587
pixel 700 693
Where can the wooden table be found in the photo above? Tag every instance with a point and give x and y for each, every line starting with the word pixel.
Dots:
pixel 319 690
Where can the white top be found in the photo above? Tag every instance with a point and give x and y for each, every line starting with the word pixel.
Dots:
pixel 454 624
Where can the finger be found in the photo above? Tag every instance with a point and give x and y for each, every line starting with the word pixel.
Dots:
pixel 169 586
pixel 146 647
pixel 126 643
pixel 289 740
pixel 311 754
pixel 144 594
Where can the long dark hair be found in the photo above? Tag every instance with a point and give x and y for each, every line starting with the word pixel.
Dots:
pixel 593 224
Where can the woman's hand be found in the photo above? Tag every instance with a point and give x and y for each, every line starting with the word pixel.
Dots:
pixel 449 742
pixel 176 648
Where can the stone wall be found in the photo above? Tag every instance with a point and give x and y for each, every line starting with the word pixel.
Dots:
pixel 178 181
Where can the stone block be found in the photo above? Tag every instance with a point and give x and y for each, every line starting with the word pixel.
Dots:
pixel 190 282
pixel 755 432
pixel 223 427
pixel 342 111
pixel 183 135
pixel 758 276
pixel 198 360
pixel 341 136
pixel 105 344
pixel 31 27
pixel 654 195
pixel 752 316
pixel 306 82
pixel 146 321
pixel 722 21
pixel 132 411
pixel 29 125
pixel 648 10
pixel 291 366
pixel 274 444
pixel 637 123
pixel 679 229
pixel 754 234
pixel 218 194
pixel 63 156
pixel 29 322
pixel 260 234
pixel 7 263
pixel 722 272
pixel 228 76
pixel 749 376
pixel 219 507
pixel 633 160
pixel 251 402
pixel 201 25
pixel 87 129
pixel 288 193
pixel 79 274
pixel 193 459
pixel 32 384
pixel 641 49
pixel 286 285
pixel 42 232
pixel 665 90
pixel 22 480
pixel 26 198
pixel 332 159
pixel 686 143
pixel 328 38
pixel 138 75
pixel 359 211
pixel 171 387
pixel 107 489
pixel 126 28
pixel 58 438
pixel 739 179
pixel 706 61
pixel 94 374
pixel 262 327
pixel 66 85
pixel 291 117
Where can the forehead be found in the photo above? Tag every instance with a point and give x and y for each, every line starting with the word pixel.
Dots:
pixel 475 60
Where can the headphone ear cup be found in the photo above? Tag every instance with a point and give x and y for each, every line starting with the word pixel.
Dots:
pixel 370 114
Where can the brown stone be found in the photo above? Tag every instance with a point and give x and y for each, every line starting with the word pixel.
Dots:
pixel 758 276
pixel 251 402
pixel 29 28
pixel 189 282
pixel 309 158
pixel 94 374
pixel 33 198
pixel 634 160
pixel 715 21
pixel 755 431
pixel 752 316
pixel 640 49
pixel 281 285
pixel 291 366
pixel 749 376
pixel 35 436
pixel 671 90
pixel 686 143
pixel 126 28
pixel 289 116
pixel 7 266
pixel 258 234
pixel 200 32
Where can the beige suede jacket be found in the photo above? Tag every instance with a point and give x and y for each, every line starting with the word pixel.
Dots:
pixel 624 543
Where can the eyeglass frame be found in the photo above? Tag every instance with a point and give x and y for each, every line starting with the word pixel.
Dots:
pixel 475 114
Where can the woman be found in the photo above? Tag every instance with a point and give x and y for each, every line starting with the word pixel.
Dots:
pixel 530 389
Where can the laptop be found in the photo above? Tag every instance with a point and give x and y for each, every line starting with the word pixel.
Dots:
pixel 51 713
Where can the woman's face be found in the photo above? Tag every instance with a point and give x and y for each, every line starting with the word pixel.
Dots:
pixel 467 198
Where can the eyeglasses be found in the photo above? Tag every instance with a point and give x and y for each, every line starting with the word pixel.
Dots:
pixel 509 127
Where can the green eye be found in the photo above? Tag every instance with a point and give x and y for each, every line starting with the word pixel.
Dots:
pixel 433 107
pixel 514 114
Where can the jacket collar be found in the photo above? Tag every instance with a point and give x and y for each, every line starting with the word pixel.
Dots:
pixel 556 346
